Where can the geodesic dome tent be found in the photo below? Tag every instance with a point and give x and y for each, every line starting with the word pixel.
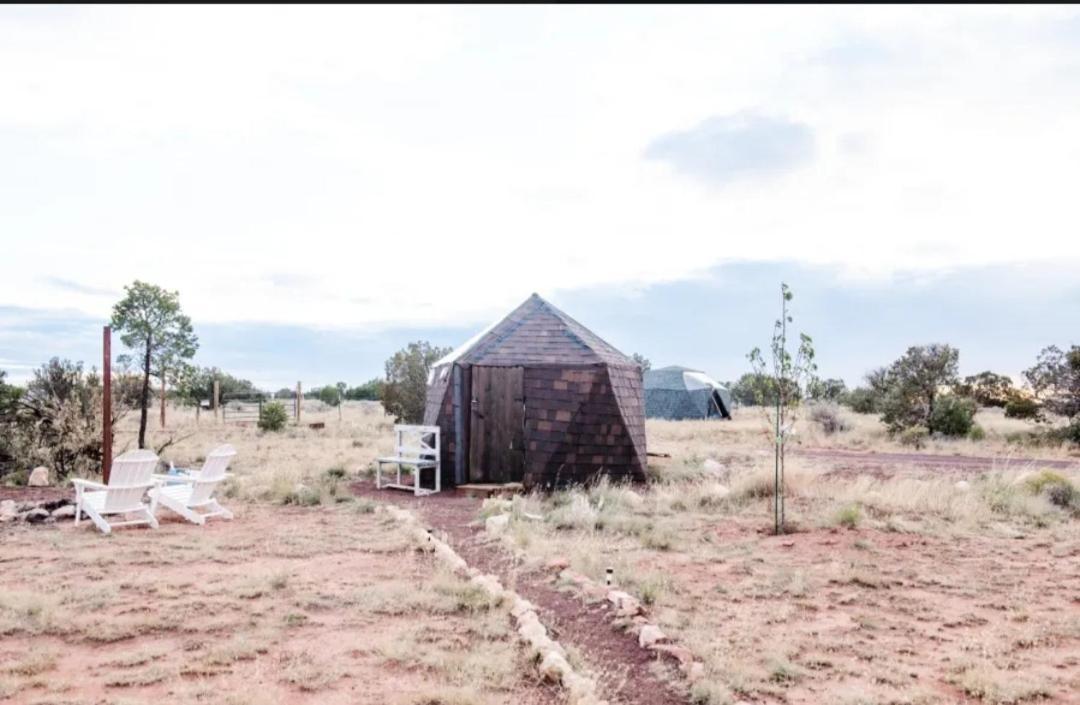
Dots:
pixel 682 393
pixel 537 398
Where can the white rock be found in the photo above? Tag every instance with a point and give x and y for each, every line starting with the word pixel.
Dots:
pixel 489 584
pixel 7 510
pixel 529 623
pixel 521 606
pixel 65 511
pixel 497 525
pixel 581 690
pixel 39 477
pixel 712 466
pixel 650 634
pixel 626 604
pixel 962 486
pixel 554 667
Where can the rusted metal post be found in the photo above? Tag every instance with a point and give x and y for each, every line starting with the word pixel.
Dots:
pixel 163 398
pixel 106 403
pixel 299 396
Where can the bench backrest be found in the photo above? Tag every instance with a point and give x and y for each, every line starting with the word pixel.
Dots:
pixel 416 442
pixel 129 479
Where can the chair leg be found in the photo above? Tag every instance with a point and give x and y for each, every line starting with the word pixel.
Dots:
pixel 189 514
pixel 99 521
pixel 150 518
pixel 218 509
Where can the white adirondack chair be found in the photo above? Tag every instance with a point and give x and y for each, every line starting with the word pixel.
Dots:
pixel 196 489
pixel 130 478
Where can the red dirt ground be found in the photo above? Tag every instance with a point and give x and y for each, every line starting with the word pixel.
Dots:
pixel 886 464
pixel 621 667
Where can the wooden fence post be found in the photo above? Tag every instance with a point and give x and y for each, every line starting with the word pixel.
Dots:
pixel 299 398
pixel 163 398
pixel 106 404
pixel 217 398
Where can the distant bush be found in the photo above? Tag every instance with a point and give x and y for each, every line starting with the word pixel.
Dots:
pixel 977 433
pixel 914 437
pixel 330 395
pixel 1065 434
pixel 911 391
pixel 987 389
pixel 1055 487
pixel 848 516
pixel 826 389
pixel 368 391
pixel 273 417
pixel 1021 408
pixel 827 416
pixel 861 400
pixel 953 416
pixel 404 393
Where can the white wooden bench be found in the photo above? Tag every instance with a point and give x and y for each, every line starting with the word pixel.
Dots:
pixel 416 447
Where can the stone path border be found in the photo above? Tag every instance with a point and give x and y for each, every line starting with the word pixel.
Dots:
pixel 629 613
pixel 580 690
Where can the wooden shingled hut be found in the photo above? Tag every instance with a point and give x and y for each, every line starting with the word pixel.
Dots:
pixel 540 399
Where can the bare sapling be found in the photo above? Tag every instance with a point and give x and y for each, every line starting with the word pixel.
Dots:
pixel 785 379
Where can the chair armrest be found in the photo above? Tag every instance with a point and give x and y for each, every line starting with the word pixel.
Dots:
pixel 172 478
pixel 79 482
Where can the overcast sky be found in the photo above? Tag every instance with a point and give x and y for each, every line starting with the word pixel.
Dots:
pixel 324 184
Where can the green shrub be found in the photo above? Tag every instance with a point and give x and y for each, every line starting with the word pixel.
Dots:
pixel 709 692
pixel 658 539
pixel 651 589
pixel 1054 486
pixel 303 496
pixel 273 417
pixel 336 473
pixel 849 516
pixel 1021 408
pixel 364 506
pixel 977 433
pixel 953 416
pixel 914 437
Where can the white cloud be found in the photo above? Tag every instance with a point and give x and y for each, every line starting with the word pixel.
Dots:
pixel 365 166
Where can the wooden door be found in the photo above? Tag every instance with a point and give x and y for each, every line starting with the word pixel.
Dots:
pixel 497 426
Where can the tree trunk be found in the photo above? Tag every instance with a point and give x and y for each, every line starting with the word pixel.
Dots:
pixel 144 401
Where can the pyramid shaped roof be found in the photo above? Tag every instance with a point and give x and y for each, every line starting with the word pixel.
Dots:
pixel 536 333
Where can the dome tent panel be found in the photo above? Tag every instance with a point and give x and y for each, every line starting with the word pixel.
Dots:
pixel 679 393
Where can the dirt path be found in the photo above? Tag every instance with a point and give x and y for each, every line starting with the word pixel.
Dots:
pixel 623 670
pixel 852 461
